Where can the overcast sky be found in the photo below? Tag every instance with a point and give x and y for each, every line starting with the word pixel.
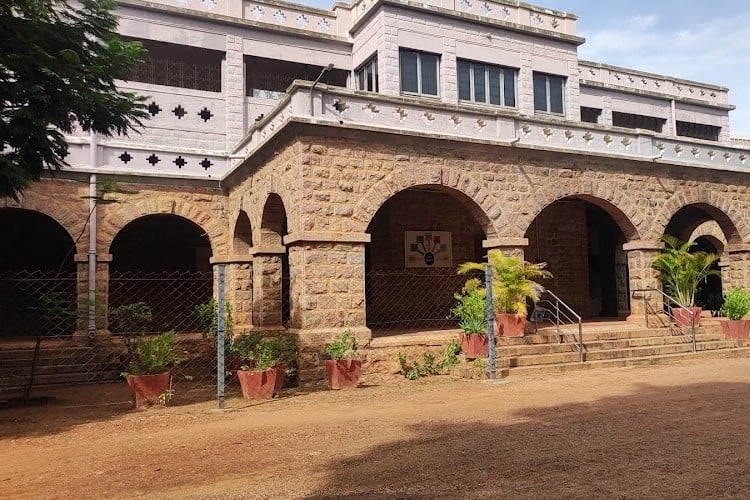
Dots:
pixel 706 41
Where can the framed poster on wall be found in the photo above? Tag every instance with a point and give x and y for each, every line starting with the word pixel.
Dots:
pixel 428 249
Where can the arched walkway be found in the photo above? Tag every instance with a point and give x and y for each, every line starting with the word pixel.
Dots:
pixel 580 238
pixel 419 236
pixel 37 276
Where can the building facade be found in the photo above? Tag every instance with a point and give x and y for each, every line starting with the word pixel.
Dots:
pixel 340 164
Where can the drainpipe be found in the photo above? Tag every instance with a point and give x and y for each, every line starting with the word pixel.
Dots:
pixel 323 72
pixel 94 157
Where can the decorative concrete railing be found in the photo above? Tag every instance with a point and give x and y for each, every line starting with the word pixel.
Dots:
pixel 506 11
pixel 640 81
pixel 338 107
pixel 293 16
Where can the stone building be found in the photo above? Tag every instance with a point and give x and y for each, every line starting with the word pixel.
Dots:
pixel 315 154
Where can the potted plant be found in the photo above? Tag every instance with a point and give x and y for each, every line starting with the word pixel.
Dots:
pixel 736 306
pixel 680 272
pixel 344 368
pixel 471 312
pixel 148 373
pixel 513 284
pixel 257 375
pixel 286 353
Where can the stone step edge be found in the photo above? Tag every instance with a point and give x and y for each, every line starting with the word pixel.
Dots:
pixel 733 352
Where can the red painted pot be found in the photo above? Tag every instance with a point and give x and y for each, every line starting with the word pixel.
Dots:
pixel 736 329
pixel 257 384
pixel 475 345
pixel 343 373
pixel 682 316
pixel 281 369
pixel 510 325
pixel 146 389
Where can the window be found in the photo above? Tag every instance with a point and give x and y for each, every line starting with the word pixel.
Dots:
pixel 628 120
pixel 419 72
pixel 486 83
pixel 367 75
pixel 269 78
pixel 698 131
pixel 548 93
pixel 177 65
pixel 590 115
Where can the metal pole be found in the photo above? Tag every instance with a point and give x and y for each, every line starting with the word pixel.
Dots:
pixel 220 339
pixel 91 297
pixel 490 320
pixel 692 326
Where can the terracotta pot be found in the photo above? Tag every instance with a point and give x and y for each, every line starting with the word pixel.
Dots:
pixel 257 384
pixel 146 389
pixel 343 373
pixel 475 345
pixel 509 325
pixel 281 369
pixel 682 317
pixel 738 329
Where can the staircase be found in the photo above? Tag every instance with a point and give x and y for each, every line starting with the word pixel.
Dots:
pixel 60 363
pixel 611 345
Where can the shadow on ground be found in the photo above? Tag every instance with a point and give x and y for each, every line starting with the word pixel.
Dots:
pixel 669 442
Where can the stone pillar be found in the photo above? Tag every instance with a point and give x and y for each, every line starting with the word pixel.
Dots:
pixel 267 282
pixel 234 90
pixel 238 289
pixel 327 294
pixel 642 276
pixel 513 247
pixel 737 272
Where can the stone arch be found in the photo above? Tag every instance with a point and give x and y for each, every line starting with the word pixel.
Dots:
pixel 118 216
pixel 711 231
pixel 71 220
pixel 255 204
pixel 483 205
pixel 273 221
pixel 718 208
pixel 615 203
pixel 242 240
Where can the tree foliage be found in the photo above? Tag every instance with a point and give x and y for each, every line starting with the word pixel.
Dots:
pixel 58 67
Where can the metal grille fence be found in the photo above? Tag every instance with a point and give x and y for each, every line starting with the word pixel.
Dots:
pixel 412 298
pixel 175 73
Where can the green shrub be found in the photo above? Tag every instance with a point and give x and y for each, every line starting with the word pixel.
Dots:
pixel 446 359
pixel 153 355
pixel 130 318
pixel 263 353
pixel 344 346
pixel 471 308
pixel 736 304
pixel 208 318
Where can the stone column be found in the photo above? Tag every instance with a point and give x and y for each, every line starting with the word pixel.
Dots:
pixel 327 294
pixel 234 90
pixel 737 272
pixel 102 293
pixel 267 282
pixel 238 289
pixel 642 276
pixel 513 247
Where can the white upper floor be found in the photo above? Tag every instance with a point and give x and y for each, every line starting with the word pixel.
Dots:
pixel 217 69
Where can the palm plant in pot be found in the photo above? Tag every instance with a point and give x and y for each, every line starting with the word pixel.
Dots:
pixel 514 283
pixel 471 312
pixel 148 372
pixel 257 374
pixel 736 306
pixel 344 368
pixel 680 272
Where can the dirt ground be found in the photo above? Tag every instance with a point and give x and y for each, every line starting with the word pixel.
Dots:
pixel 671 431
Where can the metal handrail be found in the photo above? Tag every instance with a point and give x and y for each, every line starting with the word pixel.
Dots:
pixel 558 313
pixel 670 308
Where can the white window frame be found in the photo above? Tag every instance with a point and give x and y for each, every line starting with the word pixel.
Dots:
pixel 487 83
pixel 419 54
pixel 370 63
pixel 548 93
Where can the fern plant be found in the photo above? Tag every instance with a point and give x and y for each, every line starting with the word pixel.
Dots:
pixel 513 281
pixel 681 271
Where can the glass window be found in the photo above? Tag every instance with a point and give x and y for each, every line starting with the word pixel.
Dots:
pixel 485 83
pixel 419 72
pixel 549 92
pixel 367 76
pixel 590 115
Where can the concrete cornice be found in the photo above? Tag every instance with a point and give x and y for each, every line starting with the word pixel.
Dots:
pixel 326 237
pixel 656 95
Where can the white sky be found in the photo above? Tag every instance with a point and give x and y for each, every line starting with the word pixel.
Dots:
pixel 697 40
